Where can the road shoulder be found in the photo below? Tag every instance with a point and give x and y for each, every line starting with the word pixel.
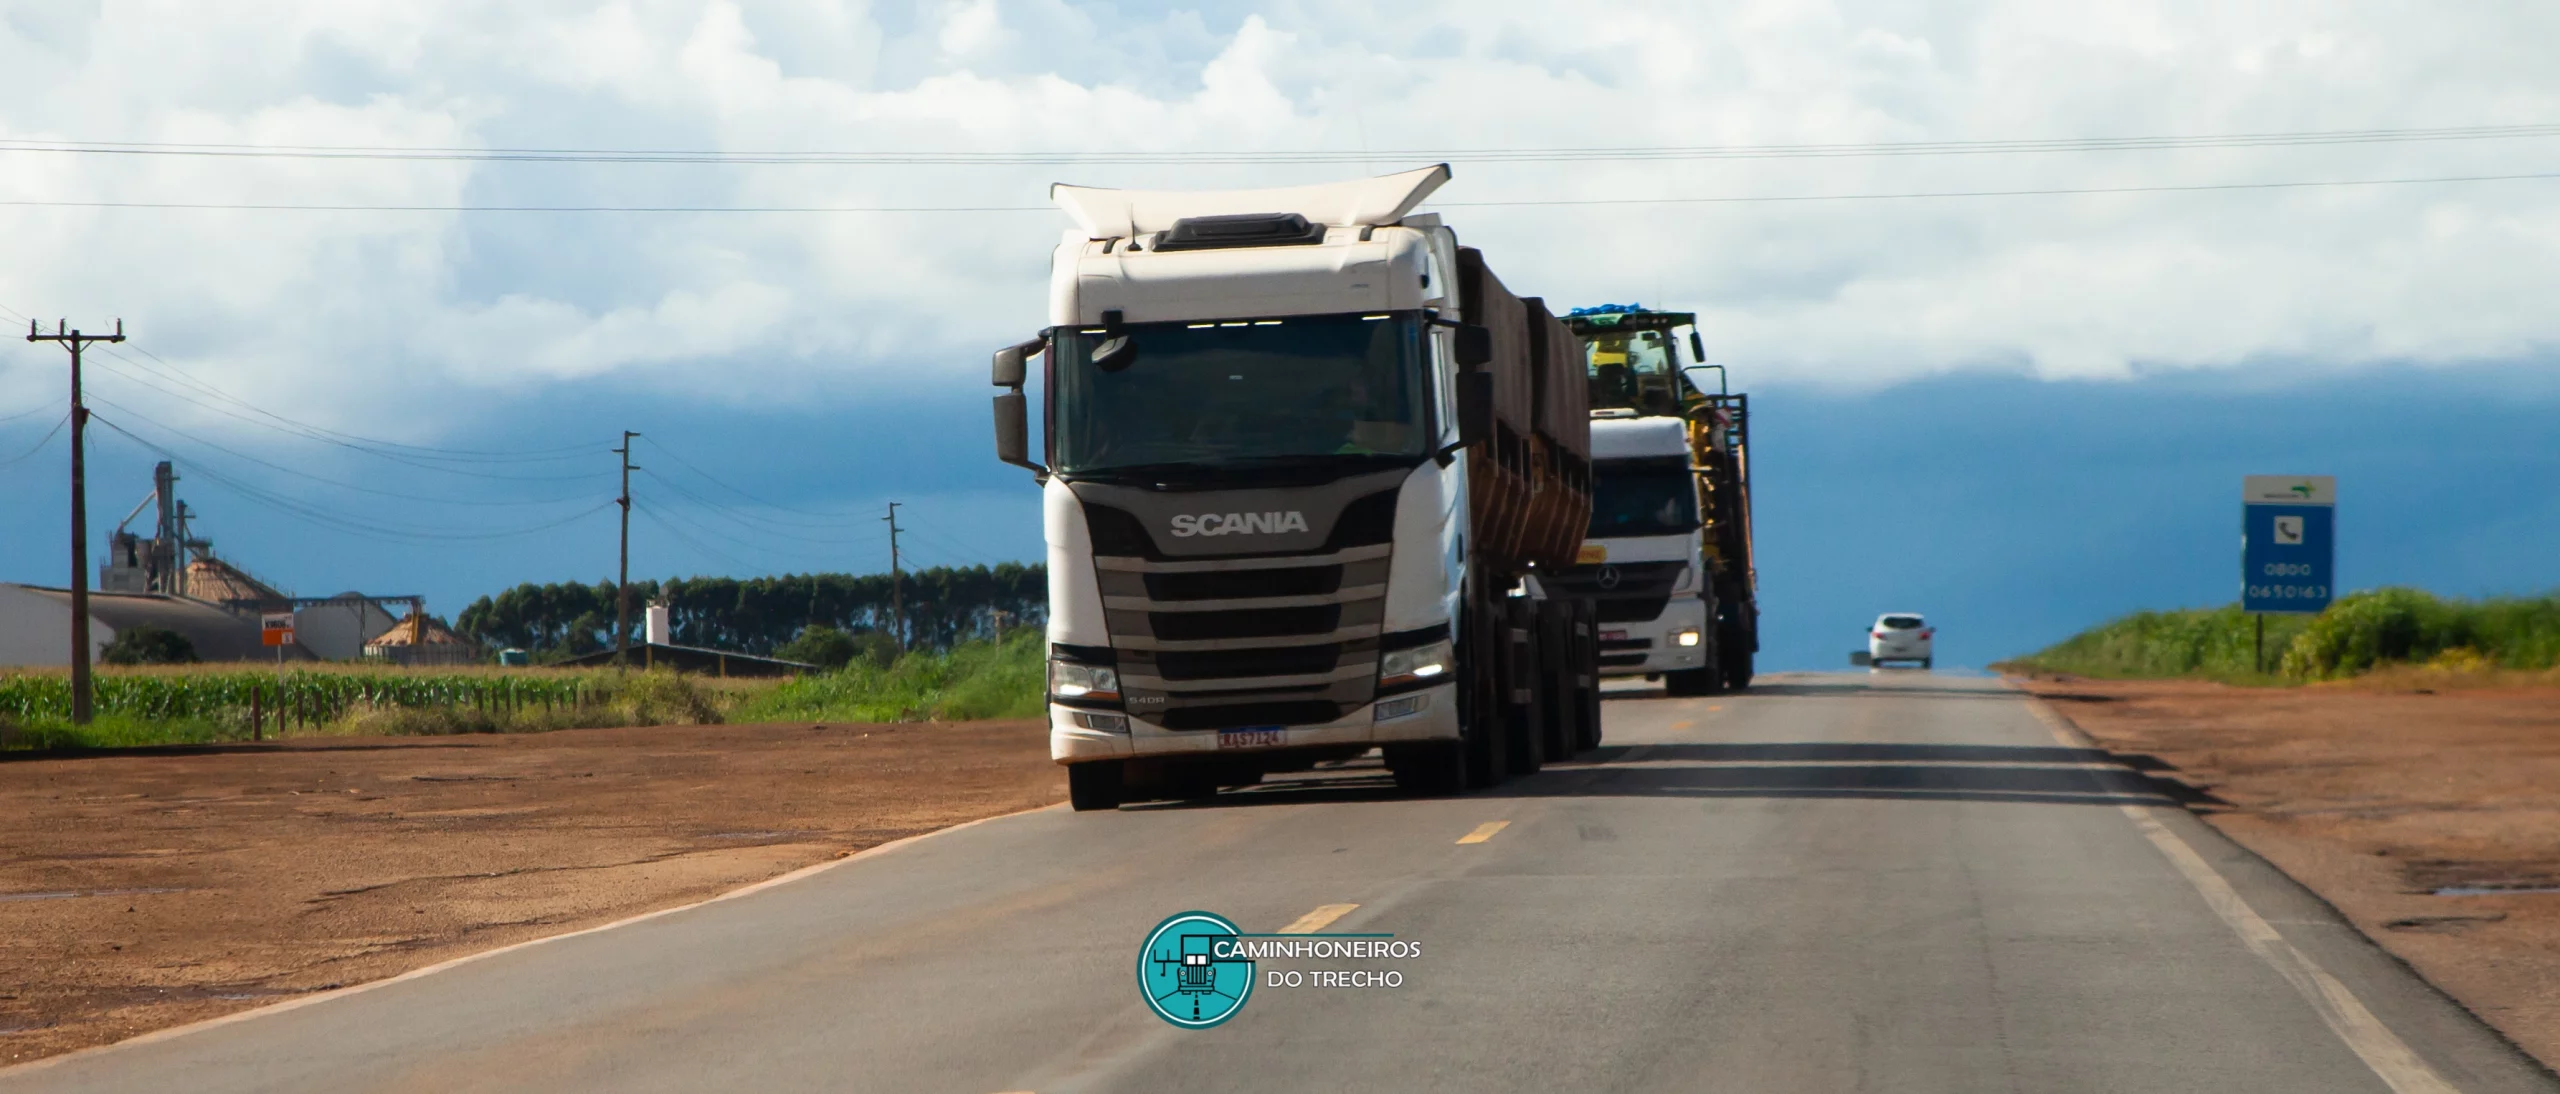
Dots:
pixel 2261 789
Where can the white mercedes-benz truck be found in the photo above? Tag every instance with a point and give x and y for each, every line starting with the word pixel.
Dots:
pixel 1643 564
pixel 1301 457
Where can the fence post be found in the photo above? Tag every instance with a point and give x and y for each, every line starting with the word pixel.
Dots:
pixel 255 715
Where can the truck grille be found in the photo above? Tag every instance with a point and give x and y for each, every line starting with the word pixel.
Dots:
pixel 1626 592
pixel 1218 643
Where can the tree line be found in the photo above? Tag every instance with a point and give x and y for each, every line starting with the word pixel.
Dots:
pixel 941 607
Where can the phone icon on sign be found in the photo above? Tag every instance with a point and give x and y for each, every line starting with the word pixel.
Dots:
pixel 2289 531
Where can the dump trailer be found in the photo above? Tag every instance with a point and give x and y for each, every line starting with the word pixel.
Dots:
pixel 1303 455
pixel 1668 552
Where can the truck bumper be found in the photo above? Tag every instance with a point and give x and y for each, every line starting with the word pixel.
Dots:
pixel 1661 650
pixel 1071 743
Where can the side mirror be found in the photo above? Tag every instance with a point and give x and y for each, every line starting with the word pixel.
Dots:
pixel 1475 345
pixel 1475 406
pixel 1009 371
pixel 1697 348
pixel 1013 431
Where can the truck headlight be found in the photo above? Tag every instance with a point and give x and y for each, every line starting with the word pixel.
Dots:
pixel 1686 638
pixel 1421 664
pixel 1090 683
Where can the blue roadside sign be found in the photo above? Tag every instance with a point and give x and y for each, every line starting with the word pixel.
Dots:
pixel 2288 543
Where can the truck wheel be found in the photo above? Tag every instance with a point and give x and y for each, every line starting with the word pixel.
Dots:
pixel 1480 714
pixel 1689 682
pixel 1587 694
pixel 1092 786
pixel 1524 693
pixel 1559 665
pixel 1433 769
pixel 1737 668
pixel 1928 662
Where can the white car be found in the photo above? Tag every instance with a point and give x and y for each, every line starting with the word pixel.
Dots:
pixel 1900 636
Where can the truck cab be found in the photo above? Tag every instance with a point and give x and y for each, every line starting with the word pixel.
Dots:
pixel 1267 424
pixel 1641 559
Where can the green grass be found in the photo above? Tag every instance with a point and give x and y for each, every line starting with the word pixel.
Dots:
pixel 2359 633
pixel 207 704
pixel 204 704
pixel 972 680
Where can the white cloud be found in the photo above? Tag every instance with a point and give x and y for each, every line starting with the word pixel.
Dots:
pixel 445 308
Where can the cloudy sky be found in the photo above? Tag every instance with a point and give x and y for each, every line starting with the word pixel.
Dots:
pixel 801 367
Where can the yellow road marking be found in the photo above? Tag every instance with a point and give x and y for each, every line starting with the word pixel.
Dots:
pixel 1683 724
pixel 1319 919
pixel 1715 708
pixel 1484 831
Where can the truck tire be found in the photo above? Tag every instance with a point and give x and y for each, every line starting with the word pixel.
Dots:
pixel 1587 656
pixel 1524 691
pixel 1690 682
pixel 1928 662
pixel 1432 768
pixel 1480 713
pixel 1737 667
pixel 1092 786
pixel 1559 666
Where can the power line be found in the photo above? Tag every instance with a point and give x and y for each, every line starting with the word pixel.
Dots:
pixel 401 452
pixel 750 521
pixel 378 531
pixel 236 454
pixel 831 520
pixel 39 445
pixel 652 517
pixel 1513 204
pixel 29 412
pixel 393 457
pixel 2285 139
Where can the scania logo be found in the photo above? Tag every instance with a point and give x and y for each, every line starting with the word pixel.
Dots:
pixel 1228 524
pixel 1608 578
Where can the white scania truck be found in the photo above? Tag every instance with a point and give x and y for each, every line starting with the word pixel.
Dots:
pixel 1301 456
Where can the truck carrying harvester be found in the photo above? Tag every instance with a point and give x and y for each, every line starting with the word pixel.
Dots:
pixel 1303 455
pixel 1668 558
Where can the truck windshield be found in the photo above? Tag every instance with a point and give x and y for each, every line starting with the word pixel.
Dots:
pixel 1242 391
pixel 1643 498
pixel 1634 369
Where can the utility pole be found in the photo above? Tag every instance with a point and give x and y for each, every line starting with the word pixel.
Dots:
pixel 75 341
pixel 897 595
pixel 622 577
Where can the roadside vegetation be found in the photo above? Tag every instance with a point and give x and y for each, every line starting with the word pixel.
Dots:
pixel 205 704
pixel 2395 632
pixel 998 679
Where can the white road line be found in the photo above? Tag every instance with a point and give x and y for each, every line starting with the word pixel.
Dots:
pixel 2391 1059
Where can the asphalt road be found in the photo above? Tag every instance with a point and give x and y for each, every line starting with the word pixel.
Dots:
pixel 1891 882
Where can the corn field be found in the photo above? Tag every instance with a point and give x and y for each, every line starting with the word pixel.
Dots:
pixel 269 702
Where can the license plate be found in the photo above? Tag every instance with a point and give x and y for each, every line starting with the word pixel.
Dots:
pixel 1613 636
pixel 1257 737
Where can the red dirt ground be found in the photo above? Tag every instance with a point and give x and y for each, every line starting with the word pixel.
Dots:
pixel 146 889
pixel 2377 799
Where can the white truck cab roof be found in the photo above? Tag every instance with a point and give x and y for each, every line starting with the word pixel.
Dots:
pixel 1639 438
pixel 1330 249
